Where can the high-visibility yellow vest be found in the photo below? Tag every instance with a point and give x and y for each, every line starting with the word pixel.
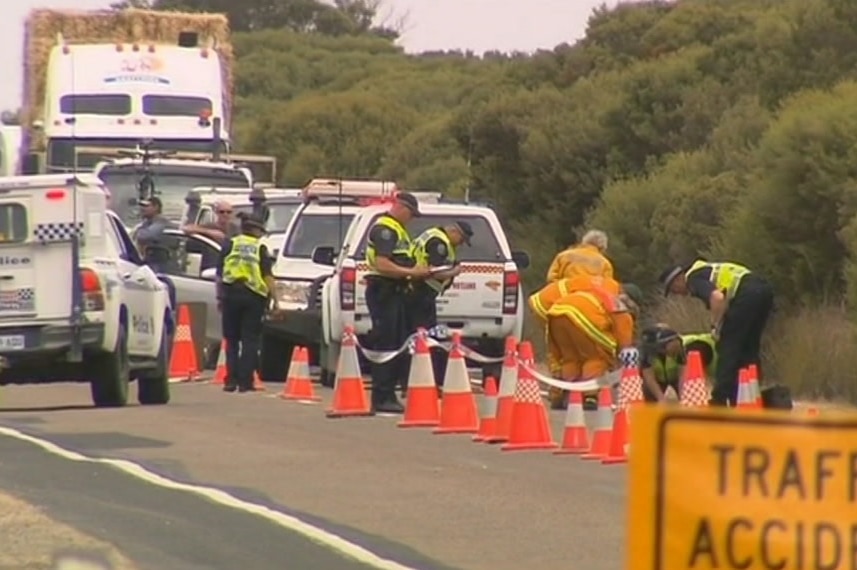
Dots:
pixel 666 368
pixel 403 253
pixel 726 277
pixel 422 257
pixel 243 264
pixel 708 339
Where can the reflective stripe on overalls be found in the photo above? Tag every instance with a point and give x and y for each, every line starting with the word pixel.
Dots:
pixel 541 308
pixel 243 264
pixel 726 277
pixel 403 253
pixel 422 255
pixel 706 338
pixel 583 323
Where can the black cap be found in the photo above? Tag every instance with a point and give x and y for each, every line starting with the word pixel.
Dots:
pixel 410 202
pixel 668 276
pixel 465 229
pixel 153 201
pixel 658 336
pixel 633 292
pixel 251 221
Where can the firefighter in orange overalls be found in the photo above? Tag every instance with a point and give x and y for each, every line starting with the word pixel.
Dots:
pixel 589 329
pixel 584 259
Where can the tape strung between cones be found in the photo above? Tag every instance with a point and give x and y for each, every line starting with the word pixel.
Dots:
pixel 382 356
pixel 433 334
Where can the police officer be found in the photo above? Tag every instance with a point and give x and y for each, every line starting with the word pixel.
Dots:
pixel 437 247
pixel 740 303
pixel 663 356
pixel 149 236
pixel 244 287
pixel 393 270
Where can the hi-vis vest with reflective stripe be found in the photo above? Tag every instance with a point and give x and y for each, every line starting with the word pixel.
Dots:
pixel 243 264
pixel 725 276
pixel 403 253
pixel 666 368
pixel 422 255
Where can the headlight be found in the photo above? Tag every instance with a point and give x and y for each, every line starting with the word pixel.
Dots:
pixel 292 292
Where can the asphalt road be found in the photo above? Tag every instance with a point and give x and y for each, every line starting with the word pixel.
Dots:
pixel 425 501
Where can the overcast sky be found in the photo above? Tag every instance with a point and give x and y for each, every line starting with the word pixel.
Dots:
pixel 478 25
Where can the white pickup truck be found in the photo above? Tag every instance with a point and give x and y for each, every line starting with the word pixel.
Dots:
pixel 484 303
pixel 76 301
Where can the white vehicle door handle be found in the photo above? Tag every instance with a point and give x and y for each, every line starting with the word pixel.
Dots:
pixel 138 279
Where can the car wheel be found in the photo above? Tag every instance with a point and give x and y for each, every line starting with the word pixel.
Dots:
pixel 109 374
pixel 153 386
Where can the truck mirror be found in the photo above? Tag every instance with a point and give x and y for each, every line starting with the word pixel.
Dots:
pixel 521 259
pixel 323 255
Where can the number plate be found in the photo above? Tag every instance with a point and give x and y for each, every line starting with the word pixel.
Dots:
pixel 12 342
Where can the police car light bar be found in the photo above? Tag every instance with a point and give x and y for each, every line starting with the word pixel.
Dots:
pixel 331 187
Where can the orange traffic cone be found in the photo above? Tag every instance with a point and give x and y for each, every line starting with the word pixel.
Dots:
pixel 298 384
pixel 458 412
pixel 290 373
pixel 617 453
pixel 530 428
pixel 488 412
pixel 755 388
pixel 603 432
pixel 220 372
pixel 812 412
pixel 183 364
pixel 506 393
pixel 746 399
pixel 258 385
pixel 422 408
pixel 349 393
pixel 630 387
pixel 694 391
pixel 575 438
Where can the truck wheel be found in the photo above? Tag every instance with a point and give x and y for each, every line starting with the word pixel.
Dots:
pixel 153 386
pixel 275 356
pixel 109 374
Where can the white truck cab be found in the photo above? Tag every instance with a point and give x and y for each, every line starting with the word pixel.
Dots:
pixel 76 301
pixel 329 207
pixel 485 301
pixel 172 178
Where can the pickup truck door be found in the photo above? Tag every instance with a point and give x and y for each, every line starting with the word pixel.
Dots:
pixel 193 255
pixel 139 293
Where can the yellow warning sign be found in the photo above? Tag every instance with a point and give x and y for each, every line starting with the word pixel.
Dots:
pixel 728 490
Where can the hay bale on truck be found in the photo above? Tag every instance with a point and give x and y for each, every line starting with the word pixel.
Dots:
pixel 132 26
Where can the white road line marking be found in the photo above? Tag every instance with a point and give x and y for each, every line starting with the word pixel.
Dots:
pixel 294 524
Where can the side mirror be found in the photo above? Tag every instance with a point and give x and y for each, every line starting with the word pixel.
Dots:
pixel 209 274
pixel 521 259
pixel 323 255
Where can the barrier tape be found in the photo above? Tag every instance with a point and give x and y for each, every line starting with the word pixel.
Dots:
pixel 432 339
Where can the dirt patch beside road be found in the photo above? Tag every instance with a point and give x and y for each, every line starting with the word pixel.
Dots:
pixel 32 541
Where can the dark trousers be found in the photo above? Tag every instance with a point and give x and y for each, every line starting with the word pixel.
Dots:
pixel 242 314
pixel 424 314
pixel 387 301
pixel 741 337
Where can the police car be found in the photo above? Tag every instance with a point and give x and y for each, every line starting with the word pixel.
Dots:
pixel 76 301
pixel 484 303
pixel 329 207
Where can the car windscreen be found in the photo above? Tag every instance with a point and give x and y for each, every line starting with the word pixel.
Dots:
pixel 279 215
pixel 314 230
pixel 484 246
pixel 172 183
